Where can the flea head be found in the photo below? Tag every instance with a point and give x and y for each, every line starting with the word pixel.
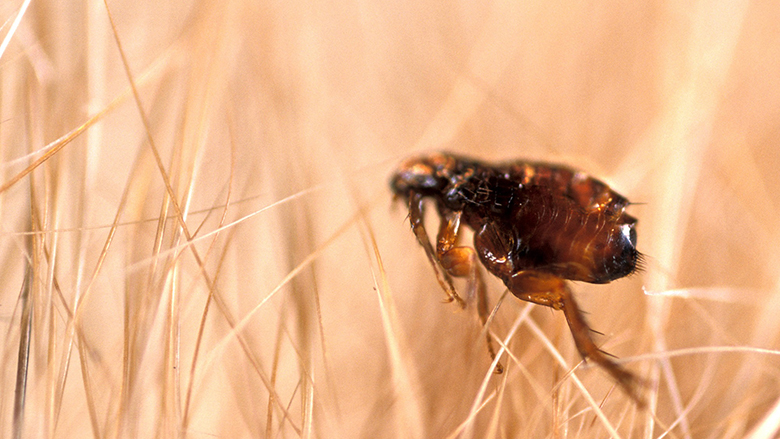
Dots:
pixel 425 175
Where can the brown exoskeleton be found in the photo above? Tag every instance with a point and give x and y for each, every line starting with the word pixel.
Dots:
pixel 535 226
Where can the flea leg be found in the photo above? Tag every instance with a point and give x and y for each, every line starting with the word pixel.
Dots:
pixel 418 226
pixel 549 290
pixel 461 261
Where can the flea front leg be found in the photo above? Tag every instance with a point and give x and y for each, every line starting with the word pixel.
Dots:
pixel 549 290
pixel 418 226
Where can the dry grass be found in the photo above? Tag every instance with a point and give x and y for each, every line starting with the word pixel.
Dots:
pixel 212 252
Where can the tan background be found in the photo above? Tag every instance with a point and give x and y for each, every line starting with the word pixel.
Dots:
pixel 296 302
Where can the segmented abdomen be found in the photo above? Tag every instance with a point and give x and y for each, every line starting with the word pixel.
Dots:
pixel 587 192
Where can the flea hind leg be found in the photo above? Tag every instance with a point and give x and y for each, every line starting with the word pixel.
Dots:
pixel 549 290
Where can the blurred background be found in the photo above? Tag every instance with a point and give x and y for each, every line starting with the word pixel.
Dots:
pixel 197 238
